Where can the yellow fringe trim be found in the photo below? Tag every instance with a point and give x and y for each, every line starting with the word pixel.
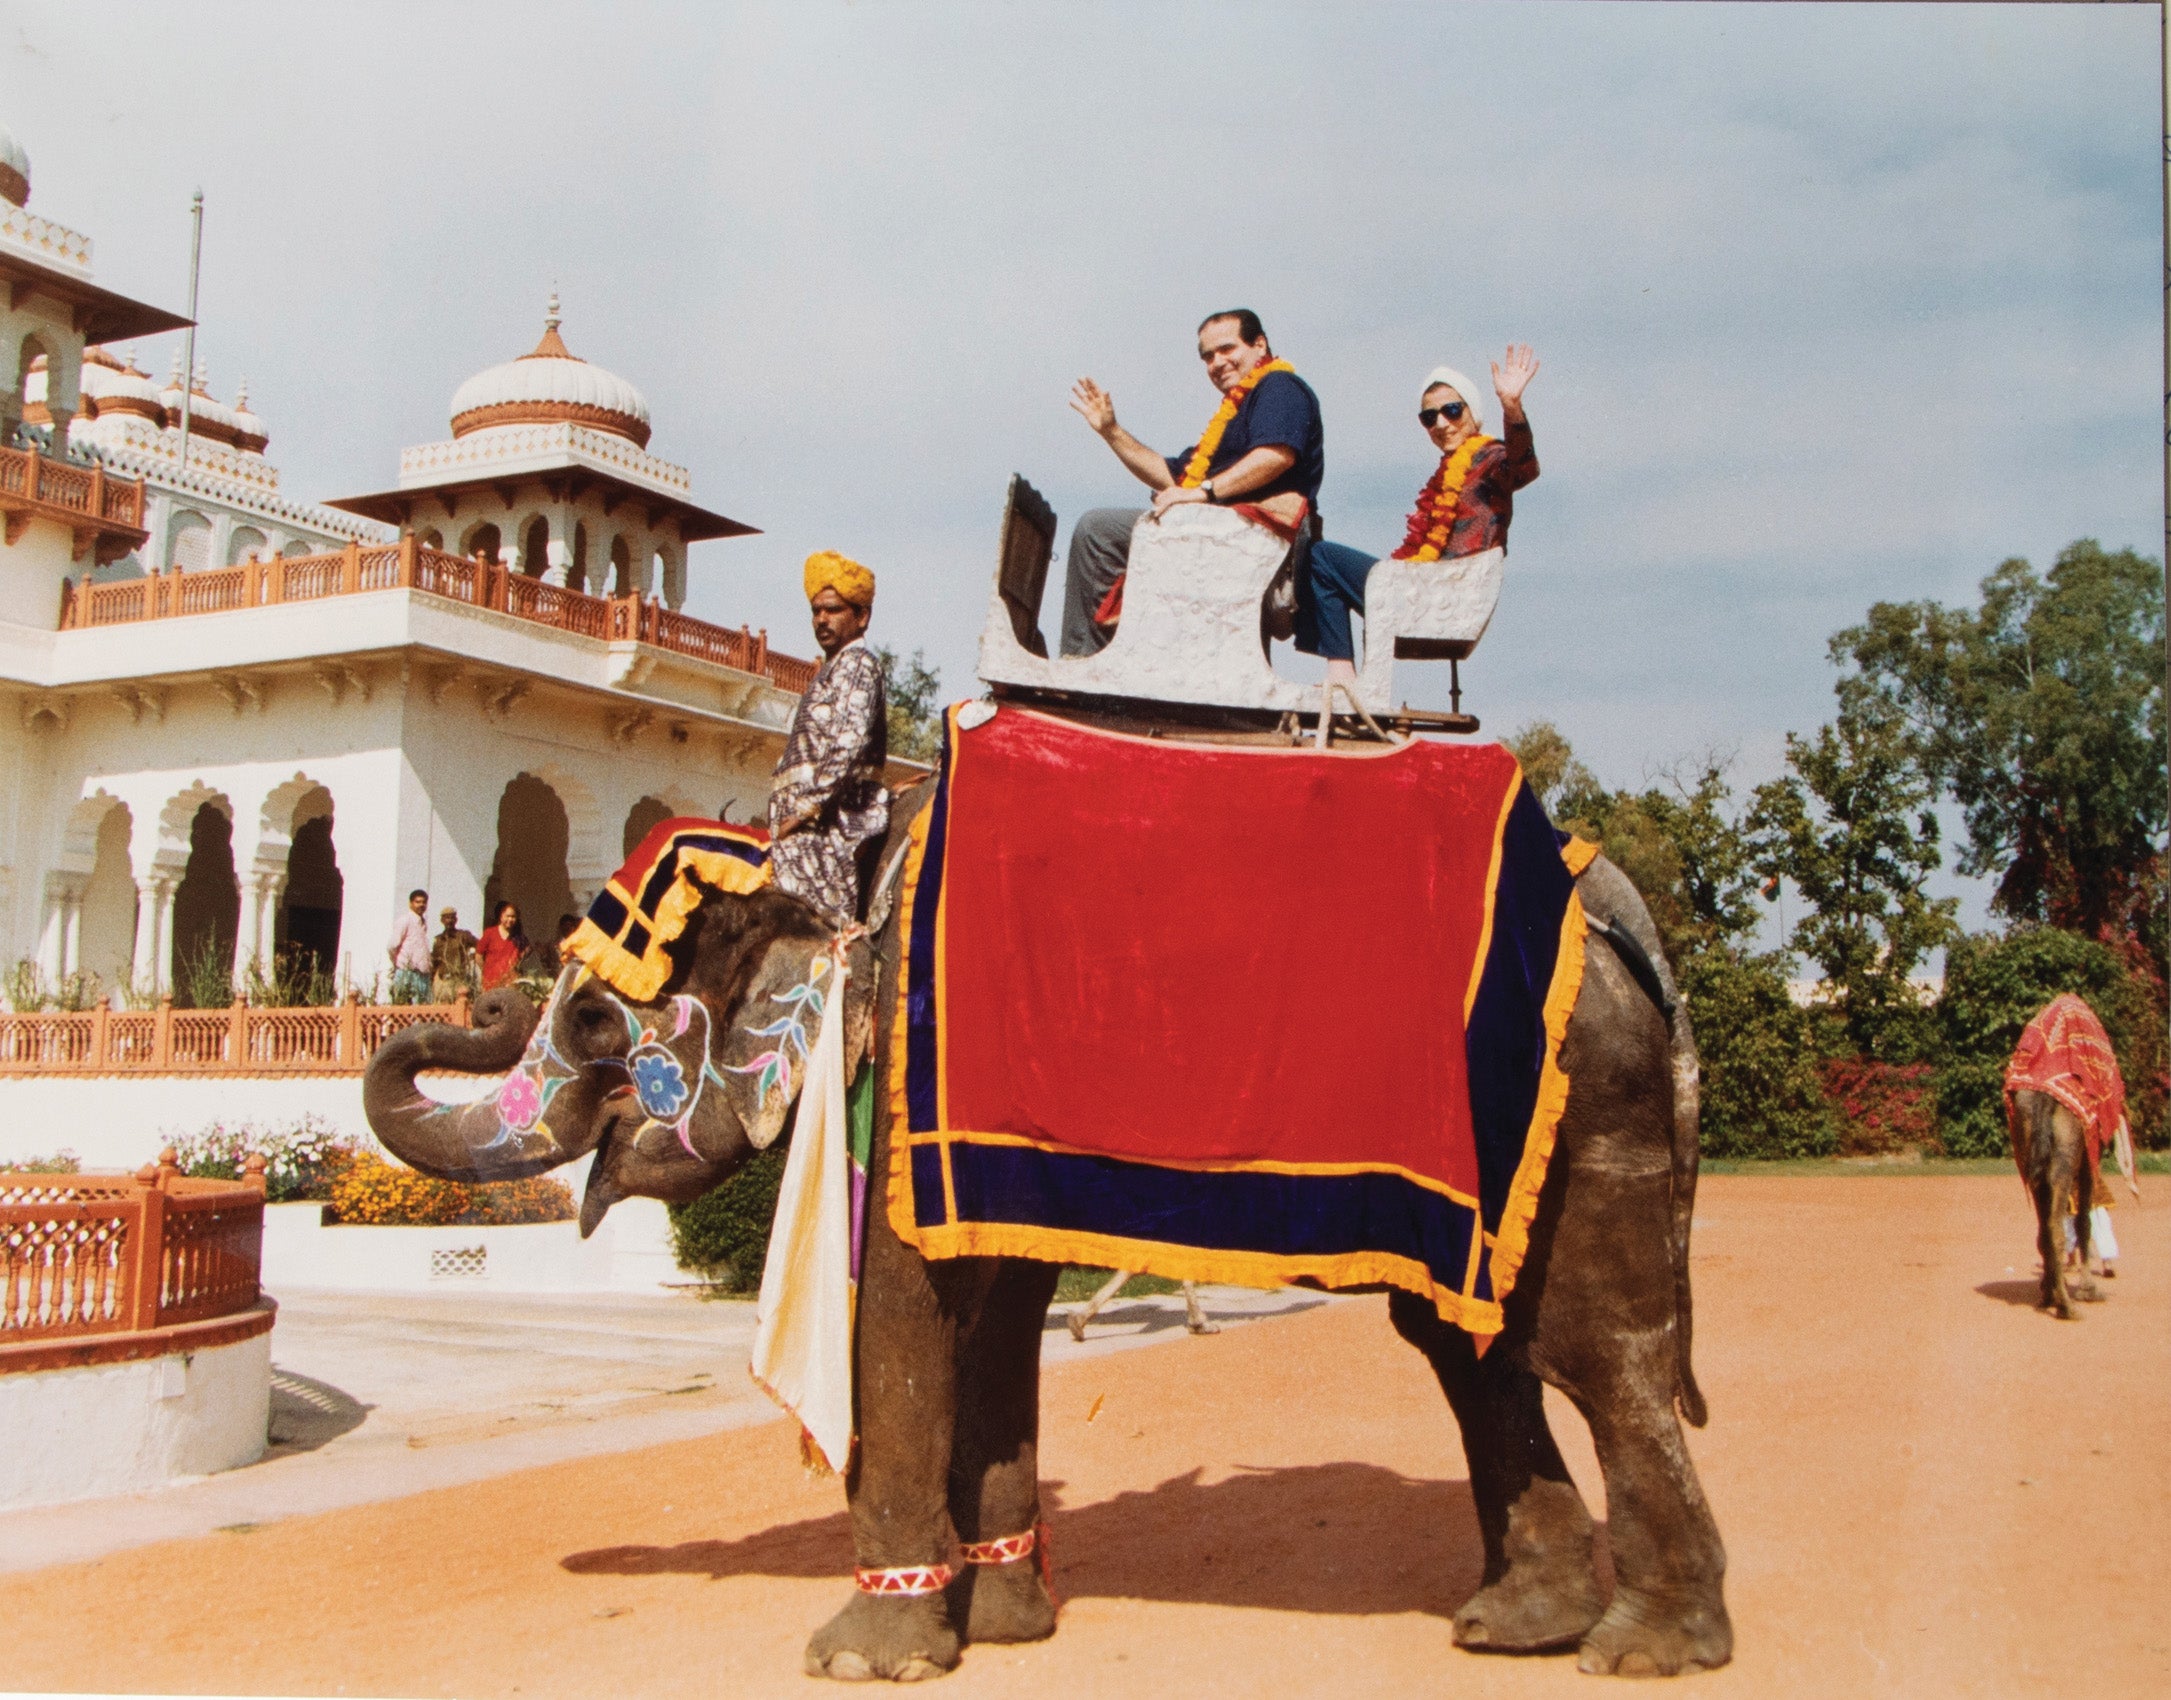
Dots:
pixel 900 1176
pixel 641 977
pixel 1512 1238
pixel 1578 853
pixel 1492 893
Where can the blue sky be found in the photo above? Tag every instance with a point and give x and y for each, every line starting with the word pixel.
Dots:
pixel 1835 303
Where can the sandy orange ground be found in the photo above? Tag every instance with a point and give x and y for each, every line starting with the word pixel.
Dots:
pixel 1926 1487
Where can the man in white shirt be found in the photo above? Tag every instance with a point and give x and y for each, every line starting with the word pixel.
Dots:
pixel 410 952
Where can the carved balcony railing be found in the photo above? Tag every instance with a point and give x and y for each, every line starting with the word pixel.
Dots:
pixel 88 1255
pixel 338 1039
pixel 106 514
pixel 408 565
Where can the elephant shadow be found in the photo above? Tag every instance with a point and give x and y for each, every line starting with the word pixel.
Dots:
pixel 1342 1538
pixel 2028 1293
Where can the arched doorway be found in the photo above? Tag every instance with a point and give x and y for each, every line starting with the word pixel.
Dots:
pixel 484 541
pixel 306 935
pixel 246 544
pixel 189 545
pixel 576 575
pixel 107 947
pixel 643 818
pixel 621 568
pixel 530 869
pixel 535 548
pixel 206 912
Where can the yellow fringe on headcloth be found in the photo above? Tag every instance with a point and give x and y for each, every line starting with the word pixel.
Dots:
pixel 829 570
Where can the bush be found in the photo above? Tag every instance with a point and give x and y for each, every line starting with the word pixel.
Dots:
pixel 301 1162
pixel 723 1236
pixel 1882 1107
pixel 1762 1096
pixel 1993 987
pixel 371 1193
pixel 59 1163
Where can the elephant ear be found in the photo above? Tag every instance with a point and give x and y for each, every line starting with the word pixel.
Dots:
pixel 761 1059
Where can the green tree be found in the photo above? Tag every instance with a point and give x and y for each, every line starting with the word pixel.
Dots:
pixel 1762 1095
pixel 913 690
pixel 2043 712
pixel 1850 824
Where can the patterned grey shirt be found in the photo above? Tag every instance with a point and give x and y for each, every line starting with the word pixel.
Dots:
pixel 830 777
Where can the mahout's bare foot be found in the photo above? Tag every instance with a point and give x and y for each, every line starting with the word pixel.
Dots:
pixel 904 1639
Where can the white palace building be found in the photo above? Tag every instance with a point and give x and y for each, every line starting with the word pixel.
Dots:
pixel 240 722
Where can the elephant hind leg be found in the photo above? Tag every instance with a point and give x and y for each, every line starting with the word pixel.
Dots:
pixel 1540 1588
pixel 1668 1615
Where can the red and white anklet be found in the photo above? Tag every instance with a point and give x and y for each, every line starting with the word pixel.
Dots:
pixel 904 1581
pixel 1011 1549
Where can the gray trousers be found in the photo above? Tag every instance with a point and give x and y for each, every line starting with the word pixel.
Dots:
pixel 1100 548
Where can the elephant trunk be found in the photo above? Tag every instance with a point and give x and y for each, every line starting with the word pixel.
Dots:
pixel 459 1142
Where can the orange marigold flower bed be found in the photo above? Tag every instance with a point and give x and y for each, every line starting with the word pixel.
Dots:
pixel 369 1192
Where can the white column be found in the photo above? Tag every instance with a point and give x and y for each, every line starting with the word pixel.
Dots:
pixel 71 941
pixel 52 932
pixel 560 556
pixel 144 970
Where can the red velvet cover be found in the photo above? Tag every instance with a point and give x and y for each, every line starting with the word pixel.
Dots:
pixel 2065 1053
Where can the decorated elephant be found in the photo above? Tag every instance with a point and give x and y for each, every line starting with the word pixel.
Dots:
pixel 673 1092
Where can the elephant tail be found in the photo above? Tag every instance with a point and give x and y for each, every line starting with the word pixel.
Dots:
pixel 1687 1071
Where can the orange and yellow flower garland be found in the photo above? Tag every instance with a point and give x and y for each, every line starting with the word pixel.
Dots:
pixel 1434 517
pixel 1194 472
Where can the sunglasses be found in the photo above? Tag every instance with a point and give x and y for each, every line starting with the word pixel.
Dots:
pixel 1428 416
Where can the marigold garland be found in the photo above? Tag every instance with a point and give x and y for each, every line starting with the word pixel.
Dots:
pixel 1433 519
pixel 1194 472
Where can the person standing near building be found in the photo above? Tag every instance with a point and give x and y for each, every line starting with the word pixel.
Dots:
pixel 828 799
pixel 452 959
pixel 410 951
pixel 503 945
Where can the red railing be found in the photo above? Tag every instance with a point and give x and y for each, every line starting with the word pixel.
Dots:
pixel 110 1254
pixel 407 565
pixel 72 494
pixel 236 1041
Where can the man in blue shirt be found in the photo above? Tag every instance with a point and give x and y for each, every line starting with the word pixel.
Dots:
pixel 1273 445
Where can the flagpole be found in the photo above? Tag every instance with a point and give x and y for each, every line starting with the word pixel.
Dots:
pixel 188 355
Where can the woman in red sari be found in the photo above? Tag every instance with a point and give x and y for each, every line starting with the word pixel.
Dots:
pixel 502 946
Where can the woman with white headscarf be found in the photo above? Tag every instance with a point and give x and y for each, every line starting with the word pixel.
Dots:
pixel 1464 508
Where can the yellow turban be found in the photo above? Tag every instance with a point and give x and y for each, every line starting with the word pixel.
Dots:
pixel 832 571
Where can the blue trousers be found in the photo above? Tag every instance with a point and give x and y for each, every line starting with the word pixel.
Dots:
pixel 1330 587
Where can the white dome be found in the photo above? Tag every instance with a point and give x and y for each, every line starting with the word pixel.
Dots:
pixel 551 384
pixel 110 384
pixel 14 168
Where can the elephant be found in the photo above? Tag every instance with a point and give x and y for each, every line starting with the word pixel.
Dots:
pixel 947 1366
pixel 2053 1151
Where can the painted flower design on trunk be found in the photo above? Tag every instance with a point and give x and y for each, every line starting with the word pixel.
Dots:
pixel 520 1102
pixel 659 1082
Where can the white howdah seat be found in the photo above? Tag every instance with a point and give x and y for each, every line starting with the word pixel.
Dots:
pixel 1190 632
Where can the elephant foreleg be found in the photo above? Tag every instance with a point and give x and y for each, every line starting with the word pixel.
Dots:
pixel 1539 1588
pixel 995 1462
pixel 897 1624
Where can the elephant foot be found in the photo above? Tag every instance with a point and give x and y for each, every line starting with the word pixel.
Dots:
pixel 1002 1602
pixel 2087 1291
pixel 1525 1612
pixel 1645 1638
pixel 894 1639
